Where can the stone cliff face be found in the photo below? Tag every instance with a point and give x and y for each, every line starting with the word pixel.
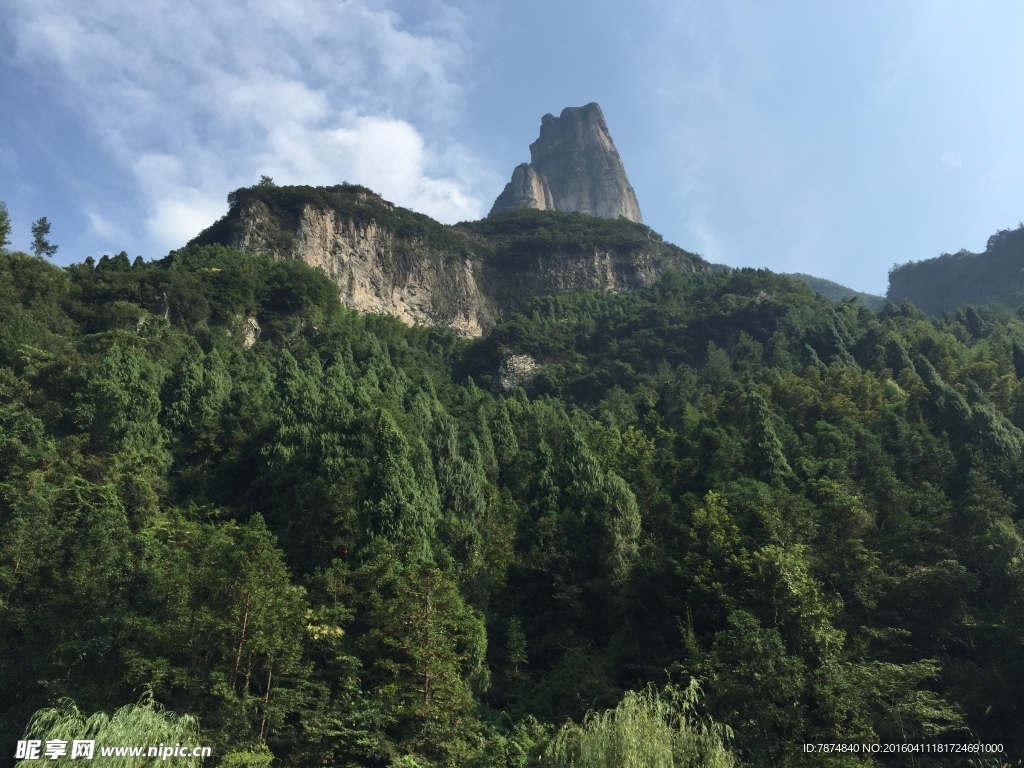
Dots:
pixel 607 270
pixel 374 271
pixel 393 261
pixel 573 166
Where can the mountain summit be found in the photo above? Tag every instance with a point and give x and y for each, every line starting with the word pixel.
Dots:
pixel 573 166
pixel 391 260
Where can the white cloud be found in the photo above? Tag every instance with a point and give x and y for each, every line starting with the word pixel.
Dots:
pixel 952 159
pixel 178 219
pixel 196 99
pixel 104 228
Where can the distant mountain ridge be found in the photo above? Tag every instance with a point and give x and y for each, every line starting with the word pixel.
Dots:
pixel 836 291
pixel 946 282
pixel 827 288
pixel 391 260
pixel 573 166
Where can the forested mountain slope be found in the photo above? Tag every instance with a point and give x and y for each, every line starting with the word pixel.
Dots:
pixel 836 291
pixel 944 283
pixel 331 540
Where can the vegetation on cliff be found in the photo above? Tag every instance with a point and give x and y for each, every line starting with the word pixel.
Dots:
pixel 527 231
pixel 349 202
pixel 513 233
pixel 338 545
pixel 462 277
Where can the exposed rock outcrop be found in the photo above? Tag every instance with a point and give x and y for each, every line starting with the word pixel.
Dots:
pixel 573 166
pixel 374 270
pixel 251 332
pixel 515 371
pixel 393 261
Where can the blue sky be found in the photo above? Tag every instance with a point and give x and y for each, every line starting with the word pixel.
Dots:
pixel 835 139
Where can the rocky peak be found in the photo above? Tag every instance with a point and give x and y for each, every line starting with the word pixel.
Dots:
pixel 573 166
pixel 577 129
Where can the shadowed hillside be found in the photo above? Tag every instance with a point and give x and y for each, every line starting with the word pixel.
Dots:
pixel 946 282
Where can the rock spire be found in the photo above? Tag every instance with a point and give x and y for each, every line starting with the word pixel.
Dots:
pixel 573 166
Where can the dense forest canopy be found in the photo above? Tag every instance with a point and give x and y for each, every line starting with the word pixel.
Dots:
pixel 729 517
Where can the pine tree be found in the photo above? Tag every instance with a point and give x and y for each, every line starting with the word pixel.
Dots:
pixel 5 228
pixel 769 460
pixel 40 244
pixel 397 510
pixel 428 653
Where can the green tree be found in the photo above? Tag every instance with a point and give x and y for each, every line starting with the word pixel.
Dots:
pixel 40 244
pixel 718 367
pixel 5 228
pixel 881 701
pixel 717 564
pixel 397 509
pixel 751 676
pixel 228 629
pixel 461 494
pixel 119 404
pixel 427 649
pixel 268 612
pixel 769 461
pixel 515 646
pixel 49 614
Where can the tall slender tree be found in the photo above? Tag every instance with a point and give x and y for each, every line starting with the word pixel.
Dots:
pixel 5 228
pixel 41 245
